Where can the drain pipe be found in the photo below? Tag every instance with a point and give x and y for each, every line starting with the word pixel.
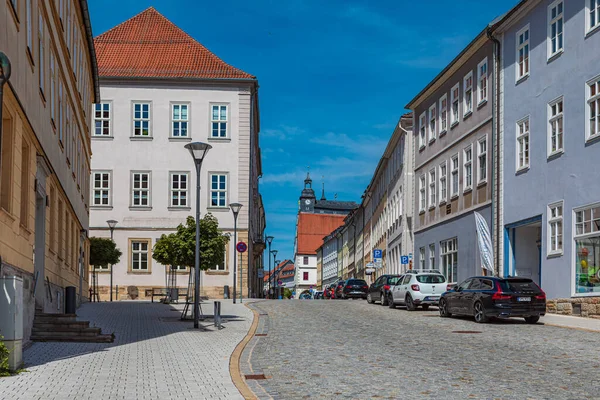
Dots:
pixel 495 153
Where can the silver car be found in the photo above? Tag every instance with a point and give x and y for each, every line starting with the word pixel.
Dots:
pixel 418 288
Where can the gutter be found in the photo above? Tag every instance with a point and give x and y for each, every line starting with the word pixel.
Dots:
pixel 92 50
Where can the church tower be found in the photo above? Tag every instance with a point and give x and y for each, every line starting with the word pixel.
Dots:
pixel 307 198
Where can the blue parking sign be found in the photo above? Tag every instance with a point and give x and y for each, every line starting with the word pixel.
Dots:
pixel 404 260
pixel 377 253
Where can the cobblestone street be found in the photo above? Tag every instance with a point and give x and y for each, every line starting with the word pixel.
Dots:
pixel 154 356
pixel 350 349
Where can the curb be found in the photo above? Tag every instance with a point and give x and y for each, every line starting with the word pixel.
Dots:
pixel 234 361
pixel 577 328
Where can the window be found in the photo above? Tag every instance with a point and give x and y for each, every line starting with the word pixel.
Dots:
pixel 443 114
pixel 454 98
pixel 179 189
pixel 523 144
pixel 449 258
pixel 442 178
pixel 587 249
pixel 60 112
pixel 101 190
pixel 218 121
pixel 592 14
pixel 555 228
pixel 422 130
pixel 468 94
pixel 422 193
pixel 41 54
pixel 593 130
pixel 432 119
pixel 61 221
pixel 218 190
pixel 141 119
pixel 555 28
pixel 25 164
pixel 432 191
pixel 6 161
pixel 555 128
pixel 140 191
pixel 468 167
pixel 305 276
pixel 432 256
pixel 482 81
pixel 482 160
pixel 52 89
pixel 455 175
pixel 29 21
pixel 179 120
pixel 102 119
pixel 523 53
pixel 139 255
pixel 422 258
pixel 305 260
pixel 223 265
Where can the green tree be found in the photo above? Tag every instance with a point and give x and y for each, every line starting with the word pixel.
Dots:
pixel 179 248
pixel 103 252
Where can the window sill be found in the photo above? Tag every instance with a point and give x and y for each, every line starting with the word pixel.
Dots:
pixel 108 208
pixel 30 59
pixel 481 103
pixel 467 190
pixel 555 154
pixel 467 115
pixel 216 272
pixel 593 30
pixel 592 138
pixel 421 212
pixel 6 213
pixel 454 197
pixel 454 124
pixel 14 14
pixel 43 97
pixel 442 202
pixel 25 231
pixel 442 133
pixel 101 271
pixel 103 137
pixel 180 139
pixel 555 254
pixel 555 55
pixel 179 208
pixel 139 272
pixel 431 141
pixel 215 139
pixel 218 209
pixel 140 138
pixel 432 207
pixel 522 170
pixel 422 147
pixel 481 184
pixel 522 79
pixel 138 208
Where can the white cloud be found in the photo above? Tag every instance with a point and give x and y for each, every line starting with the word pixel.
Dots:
pixel 283 132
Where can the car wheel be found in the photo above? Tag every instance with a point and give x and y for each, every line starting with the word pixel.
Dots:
pixel 369 299
pixel 391 301
pixel 410 305
pixel 425 307
pixel 384 300
pixel 444 309
pixel 532 320
pixel 479 313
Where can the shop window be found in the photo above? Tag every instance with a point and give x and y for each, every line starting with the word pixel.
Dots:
pixel 587 247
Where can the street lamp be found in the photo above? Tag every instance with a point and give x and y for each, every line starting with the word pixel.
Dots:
pixel 235 208
pixel 277 262
pixel 269 240
pixel 111 225
pixel 198 150
pixel 4 77
pixel 274 252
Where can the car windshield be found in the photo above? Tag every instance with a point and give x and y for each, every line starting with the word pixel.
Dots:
pixel 356 282
pixel 519 285
pixel 431 278
pixel 394 280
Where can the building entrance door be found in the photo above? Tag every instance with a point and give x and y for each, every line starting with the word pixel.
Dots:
pixel 523 253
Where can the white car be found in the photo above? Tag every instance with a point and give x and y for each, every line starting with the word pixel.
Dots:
pixel 418 288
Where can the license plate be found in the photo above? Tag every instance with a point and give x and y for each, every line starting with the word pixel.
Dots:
pixel 430 298
pixel 523 298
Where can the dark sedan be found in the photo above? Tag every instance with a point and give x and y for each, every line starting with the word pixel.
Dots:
pixel 355 288
pixel 380 289
pixel 486 297
pixel 337 290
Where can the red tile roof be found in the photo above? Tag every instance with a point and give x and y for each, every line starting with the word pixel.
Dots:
pixel 149 45
pixel 312 228
pixel 281 264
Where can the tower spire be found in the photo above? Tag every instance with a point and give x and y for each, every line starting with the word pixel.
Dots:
pixel 323 190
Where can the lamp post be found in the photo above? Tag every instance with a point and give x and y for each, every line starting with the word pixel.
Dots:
pixel 4 77
pixel 274 252
pixel 269 240
pixel 198 150
pixel 111 225
pixel 277 262
pixel 235 208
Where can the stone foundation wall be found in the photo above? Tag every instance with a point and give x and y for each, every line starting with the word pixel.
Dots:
pixel 579 306
pixel 145 292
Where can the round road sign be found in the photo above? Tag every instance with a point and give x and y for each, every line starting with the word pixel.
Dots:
pixel 241 247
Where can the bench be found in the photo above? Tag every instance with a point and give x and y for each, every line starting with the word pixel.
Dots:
pixel 163 292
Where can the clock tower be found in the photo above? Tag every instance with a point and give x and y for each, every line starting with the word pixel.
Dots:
pixel 307 198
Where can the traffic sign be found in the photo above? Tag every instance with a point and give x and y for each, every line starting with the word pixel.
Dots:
pixel 241 247
pixel 404 260
pixel 377 253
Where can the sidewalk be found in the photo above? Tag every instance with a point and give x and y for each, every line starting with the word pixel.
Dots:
pixel 154 356
pixel 568 321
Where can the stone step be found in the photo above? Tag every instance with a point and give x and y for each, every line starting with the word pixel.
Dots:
pixel 38 314
pixel 54 318
pixel 59 325
pixel 67 332
pixel 82 339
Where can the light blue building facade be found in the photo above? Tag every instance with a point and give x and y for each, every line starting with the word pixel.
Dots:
pixel 550 80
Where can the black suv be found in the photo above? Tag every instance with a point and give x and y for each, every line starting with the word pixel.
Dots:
pixel 486 297
pixel 380 289
pixel 354 288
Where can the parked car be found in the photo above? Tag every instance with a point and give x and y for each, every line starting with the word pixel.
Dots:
pixel 327 292
pixel 486 297
pixel 355 288
pixel 418 288
pixel 337 291
pixel 318 295
pixel 379 290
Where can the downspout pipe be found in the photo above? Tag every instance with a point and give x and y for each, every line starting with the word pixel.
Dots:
pixel 496 150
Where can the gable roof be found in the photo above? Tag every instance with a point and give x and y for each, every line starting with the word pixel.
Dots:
pixel 282 266
pixel 148 45
pixel 312 228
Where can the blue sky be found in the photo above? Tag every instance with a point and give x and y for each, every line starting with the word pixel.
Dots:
pixel 334 78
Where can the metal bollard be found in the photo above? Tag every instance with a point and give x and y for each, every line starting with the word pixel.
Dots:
pixel 217 314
